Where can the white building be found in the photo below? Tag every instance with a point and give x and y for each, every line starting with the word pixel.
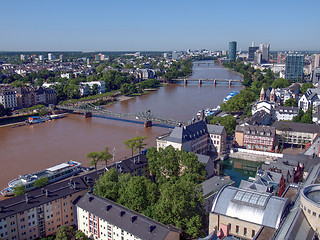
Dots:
pixel 101 218
pixel 8 98
pixel 85 91
pixel 218 137
pixel 307 100
pixel 50 56
pixel 283 113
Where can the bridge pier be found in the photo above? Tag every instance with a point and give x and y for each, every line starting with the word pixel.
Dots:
pixel 200 82
pixel 230 83
pixel 147 124
pixel 87 114
pixel 185 82
pixel 214 82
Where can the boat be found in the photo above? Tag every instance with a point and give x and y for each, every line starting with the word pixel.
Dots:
pixel 208 112
pixel 53 174
pixel 229 96
pixel 57 116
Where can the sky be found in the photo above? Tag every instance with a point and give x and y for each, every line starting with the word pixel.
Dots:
pixel 166 25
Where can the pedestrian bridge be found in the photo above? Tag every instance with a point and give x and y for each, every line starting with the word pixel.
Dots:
pixel 147 117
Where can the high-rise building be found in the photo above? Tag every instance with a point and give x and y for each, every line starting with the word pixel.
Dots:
pixel 232 51
pixel 22 57
pixel 294 66
pixel 258 57
pixel 315 61
pixel 175 55
pixel 40 57
pixel 264 49
pixel 50 56
pixel 251 52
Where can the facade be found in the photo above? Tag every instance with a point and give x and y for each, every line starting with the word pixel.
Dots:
pixel 25 97
pixel 8 97
pixel 294 66
pixel 101 218
pixel 51 96
pixel 244 213
pixel 192 138
pixel 218 136
pixel 41 212
pixel 84 87
pixel 296 133
pixel 260 138
pixel 232 51
pixel 283 113
pixel 307 100
pixel 251 52
pixel 310 205
pixel 264 48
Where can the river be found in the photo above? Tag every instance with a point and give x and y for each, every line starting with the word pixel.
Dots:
pixel 28 149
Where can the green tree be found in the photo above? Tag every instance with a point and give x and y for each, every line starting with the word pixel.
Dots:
pixel 95 158
pixel 81 236
pixel 299 116
pixel 305 87
pixel 107 185
pixel 41 182
pixel 140 143
pixel 106 155
pixel 65 233
pixel 229 122
pixel 307 116
pixel 19 190
pixel 291 102
pixel 131 144
pixel 281 83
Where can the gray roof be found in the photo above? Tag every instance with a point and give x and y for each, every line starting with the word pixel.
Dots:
pixel 259 131
pixel 287 110
pixel 213 184
pixel 124 218
pixel 254 186
pixel 258 118
pixel 188 133
pixel 296 127
pixel 38 197
pixel 203 158
pixel 215 129
pixel 248 205
pixel 130 164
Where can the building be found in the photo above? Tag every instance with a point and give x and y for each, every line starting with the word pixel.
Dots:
pixel 264 48
pixel 84 87
pixel 251 52
pixel 51 95
pixel 294 66
pixel 101 218
pixel 41 212
pixel 260 138
pixel 257 57
pixel 307 100
pixel 283 113
pixel 136 166
pixel 232 51
pixel 8 97
pixel 218 137
pixel 296 133
pixel 50 56
pixel 25 97
pixel 192 138
pixel 175 55
pixel 246 213
pixel 315 61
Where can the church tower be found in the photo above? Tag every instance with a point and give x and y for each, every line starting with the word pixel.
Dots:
pixel 262 94
pixel 272 96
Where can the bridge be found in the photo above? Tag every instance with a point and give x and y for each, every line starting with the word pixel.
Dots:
pixel 214 80
pixel 147 117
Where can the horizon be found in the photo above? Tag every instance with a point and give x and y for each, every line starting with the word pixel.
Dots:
pixel 124 26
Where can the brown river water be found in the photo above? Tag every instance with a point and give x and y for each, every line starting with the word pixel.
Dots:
pixel 28 149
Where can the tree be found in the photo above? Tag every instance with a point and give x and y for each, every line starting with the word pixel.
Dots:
pixel 95 156
pixel 107 185
pixel 41 182
pixel 305 87
pixel 19 190
pixel 81 236
pixel 229 122
pixel 281 83
pixel 135 144
pixel 139 143
pixel 65 233
pixel 106 156
pixel 291 102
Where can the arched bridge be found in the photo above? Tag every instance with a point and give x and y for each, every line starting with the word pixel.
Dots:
pixel 147 117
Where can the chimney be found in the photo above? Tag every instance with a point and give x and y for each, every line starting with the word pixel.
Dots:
pixel 122 213
pixel 108 207
pixel 151 228
pixel 27 197
pixel 47 193
pixel 90 199
pixel 133 218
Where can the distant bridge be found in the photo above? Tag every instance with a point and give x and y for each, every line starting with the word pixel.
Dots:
pixel 214 80
pixel 147 117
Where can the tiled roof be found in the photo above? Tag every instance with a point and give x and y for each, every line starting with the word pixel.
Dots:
pixel 296 127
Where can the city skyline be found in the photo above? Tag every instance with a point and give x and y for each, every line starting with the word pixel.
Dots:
pixel 157 26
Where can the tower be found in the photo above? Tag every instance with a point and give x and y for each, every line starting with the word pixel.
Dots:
pixel 272 96
pixel 294 66
pixel 262 94
pixel 232 51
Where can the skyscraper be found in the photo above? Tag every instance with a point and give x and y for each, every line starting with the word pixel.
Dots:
pixel 264 48
pixel 294 66
pixel 251 52
pixel 232 51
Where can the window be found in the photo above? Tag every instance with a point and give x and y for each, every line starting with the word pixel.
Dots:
pixel 237 229
pixel 314 214
pixel 253 233
pixel 245 231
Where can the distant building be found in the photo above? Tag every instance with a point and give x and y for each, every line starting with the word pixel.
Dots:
pixel 40 57
pixel 232 51
pixel 8 97
pixel 264 48
pixel 315 61
pixel 258 57
pixel 101 218
pixel 218 137
pixel 294 66
pixel 175 55
pixel 251 52
pixel 84 87
pixel 50 56
pixel 22 57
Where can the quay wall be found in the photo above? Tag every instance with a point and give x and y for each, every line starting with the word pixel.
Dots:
pixel 256 156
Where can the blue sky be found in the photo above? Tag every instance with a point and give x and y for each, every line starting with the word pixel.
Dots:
pixel 123 25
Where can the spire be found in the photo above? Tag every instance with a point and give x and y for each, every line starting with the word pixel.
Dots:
pixel 262 94
pixel 272 96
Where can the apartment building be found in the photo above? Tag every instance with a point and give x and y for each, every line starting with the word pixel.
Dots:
pixel 8 97
pixel 192 138
pixel 101 218
pixel 218 136
pixel 41 212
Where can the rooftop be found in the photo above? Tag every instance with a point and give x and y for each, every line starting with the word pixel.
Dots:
pixel 296 127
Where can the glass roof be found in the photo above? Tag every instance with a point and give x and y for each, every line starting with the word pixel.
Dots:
pixel 251 197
